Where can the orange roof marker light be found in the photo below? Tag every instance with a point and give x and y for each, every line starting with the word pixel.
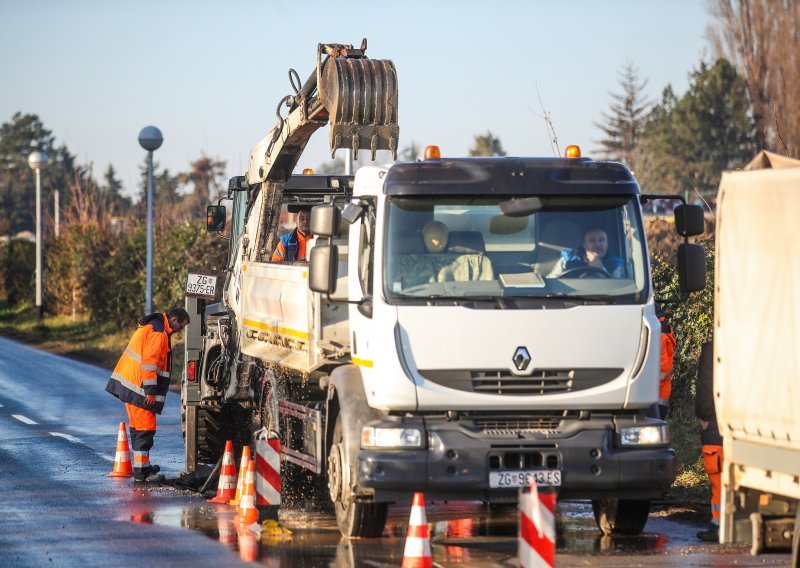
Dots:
pixel 572 151
pixel 308 171
pixel 432 153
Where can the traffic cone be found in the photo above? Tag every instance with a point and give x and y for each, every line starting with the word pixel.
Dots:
pixel 242 471
pixel 247 504
pixel 227 477
pixel 122 461
pixel 417 553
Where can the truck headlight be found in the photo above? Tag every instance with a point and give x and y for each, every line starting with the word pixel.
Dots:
pixel 372 437
pixel 644 435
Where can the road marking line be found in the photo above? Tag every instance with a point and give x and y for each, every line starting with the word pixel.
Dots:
pixel 107 457
pixel 1 406
pixel 24 419
pixel 72 439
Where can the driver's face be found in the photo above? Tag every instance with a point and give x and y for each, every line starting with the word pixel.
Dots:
pixel 596 241
pixel 304 222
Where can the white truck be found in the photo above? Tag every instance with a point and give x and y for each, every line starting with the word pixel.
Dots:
pixel 461 365
pixel 757 354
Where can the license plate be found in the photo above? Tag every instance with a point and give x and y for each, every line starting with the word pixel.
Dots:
pixel 501 479
pixel 201 285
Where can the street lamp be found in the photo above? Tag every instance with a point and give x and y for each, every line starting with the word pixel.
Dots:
pixel 37 160
pixel 150 139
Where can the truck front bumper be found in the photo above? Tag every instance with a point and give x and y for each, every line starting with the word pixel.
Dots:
pixel 458 460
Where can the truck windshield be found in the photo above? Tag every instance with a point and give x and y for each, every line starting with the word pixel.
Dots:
pixel 562 247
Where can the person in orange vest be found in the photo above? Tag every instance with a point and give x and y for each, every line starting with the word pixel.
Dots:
pixel 292 246
pixel 141 381
pixel 668 344
pixel 709 437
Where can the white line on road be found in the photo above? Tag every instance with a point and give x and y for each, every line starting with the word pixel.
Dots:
pixel 24 419
pixel 108 457
pixel 1 406
pixel 72 439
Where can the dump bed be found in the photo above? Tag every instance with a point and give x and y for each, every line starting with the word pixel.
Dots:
pixel 757 327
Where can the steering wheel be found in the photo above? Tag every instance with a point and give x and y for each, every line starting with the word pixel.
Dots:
pixel 586 271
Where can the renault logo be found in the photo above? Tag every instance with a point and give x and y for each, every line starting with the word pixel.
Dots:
pixel 521 358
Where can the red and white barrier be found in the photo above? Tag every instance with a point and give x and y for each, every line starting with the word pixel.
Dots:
pixel 537 528
pixel 268 472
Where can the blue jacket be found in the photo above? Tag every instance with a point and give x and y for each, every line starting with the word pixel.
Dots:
pixel 613 264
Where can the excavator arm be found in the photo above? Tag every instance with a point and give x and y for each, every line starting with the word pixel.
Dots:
pixel 357 96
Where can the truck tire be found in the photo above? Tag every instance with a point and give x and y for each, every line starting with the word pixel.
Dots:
pixel 215 427
pixel 620 517
pixel 357 516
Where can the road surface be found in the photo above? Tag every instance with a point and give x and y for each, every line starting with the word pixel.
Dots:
pixel 58 431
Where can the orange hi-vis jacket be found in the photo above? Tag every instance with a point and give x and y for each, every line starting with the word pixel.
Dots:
pixel 144 368
pixel 668 344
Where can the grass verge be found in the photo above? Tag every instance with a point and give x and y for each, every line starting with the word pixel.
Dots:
pixel 76 338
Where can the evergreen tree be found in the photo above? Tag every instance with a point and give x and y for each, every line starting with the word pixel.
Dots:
pixel 410 153
pixel 18 138
pixel 486 145
pixel 112 187
pixel 623 124
pixel 690 141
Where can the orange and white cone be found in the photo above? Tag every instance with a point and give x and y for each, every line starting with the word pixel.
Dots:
pixel 242 472
pixel 226 490
pixel 122 461
pixel 417 553
pixel 248 513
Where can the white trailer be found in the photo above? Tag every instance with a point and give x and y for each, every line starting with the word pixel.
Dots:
pixel 757 352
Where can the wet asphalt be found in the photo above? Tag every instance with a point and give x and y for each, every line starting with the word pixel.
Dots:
pixel 58 430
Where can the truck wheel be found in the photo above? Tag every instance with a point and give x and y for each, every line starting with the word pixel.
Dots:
pixel 356 516
pixel 210 436
pixel 620 517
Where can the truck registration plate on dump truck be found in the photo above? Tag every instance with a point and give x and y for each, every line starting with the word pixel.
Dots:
pixel 500 479
pixel 202 284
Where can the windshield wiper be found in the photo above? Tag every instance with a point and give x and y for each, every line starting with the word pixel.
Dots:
pixel 587 298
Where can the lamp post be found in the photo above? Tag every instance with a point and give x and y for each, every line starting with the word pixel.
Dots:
pixel 37 160
pixel 150 139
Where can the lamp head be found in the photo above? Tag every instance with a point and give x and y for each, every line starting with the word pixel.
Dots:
pixel 150 138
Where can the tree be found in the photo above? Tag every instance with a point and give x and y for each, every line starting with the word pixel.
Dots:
pixel 206 181
pixel 623 124
pixel 18 138
pixel 112 188
pixel 165 194
pixel 762 39
pixel 410 153
pixel 687 143
pixel 486 145
pixel 335 166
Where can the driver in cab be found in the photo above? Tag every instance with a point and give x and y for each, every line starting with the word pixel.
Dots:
pixel 590 258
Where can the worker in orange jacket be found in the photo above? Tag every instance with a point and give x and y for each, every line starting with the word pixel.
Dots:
pixel 141 381
pixel 710 437
pixel 668 344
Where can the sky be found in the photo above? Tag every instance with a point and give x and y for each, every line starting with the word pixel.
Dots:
pixel 209 75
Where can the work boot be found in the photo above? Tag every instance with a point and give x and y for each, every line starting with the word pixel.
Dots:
pixel 148 474
pixel 711 534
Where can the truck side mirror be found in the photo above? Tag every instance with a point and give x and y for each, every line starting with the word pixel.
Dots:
pixel 691 268
pixel 237 183
pixel 689 220
pixel 325 220
pixel 215 220
pixel 323 267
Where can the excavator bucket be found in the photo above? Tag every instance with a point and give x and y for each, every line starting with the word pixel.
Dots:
pixel 361 97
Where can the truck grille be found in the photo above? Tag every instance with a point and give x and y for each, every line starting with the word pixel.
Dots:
pixel 539 382
pixel 501 427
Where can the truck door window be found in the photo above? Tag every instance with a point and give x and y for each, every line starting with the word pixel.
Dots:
pixel 366 250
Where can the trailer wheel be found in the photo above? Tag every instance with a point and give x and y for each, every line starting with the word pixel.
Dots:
pixel 357 516
pixel 620 517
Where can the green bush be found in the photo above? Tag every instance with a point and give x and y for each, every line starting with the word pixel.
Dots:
pixel 18 259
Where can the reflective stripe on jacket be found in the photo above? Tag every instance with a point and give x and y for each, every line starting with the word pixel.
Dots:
pixel 291 247
pixel 668 344
pixel 145 365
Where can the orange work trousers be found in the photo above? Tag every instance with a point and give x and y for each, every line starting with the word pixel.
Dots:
pixel 142 424
pixel 712 461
